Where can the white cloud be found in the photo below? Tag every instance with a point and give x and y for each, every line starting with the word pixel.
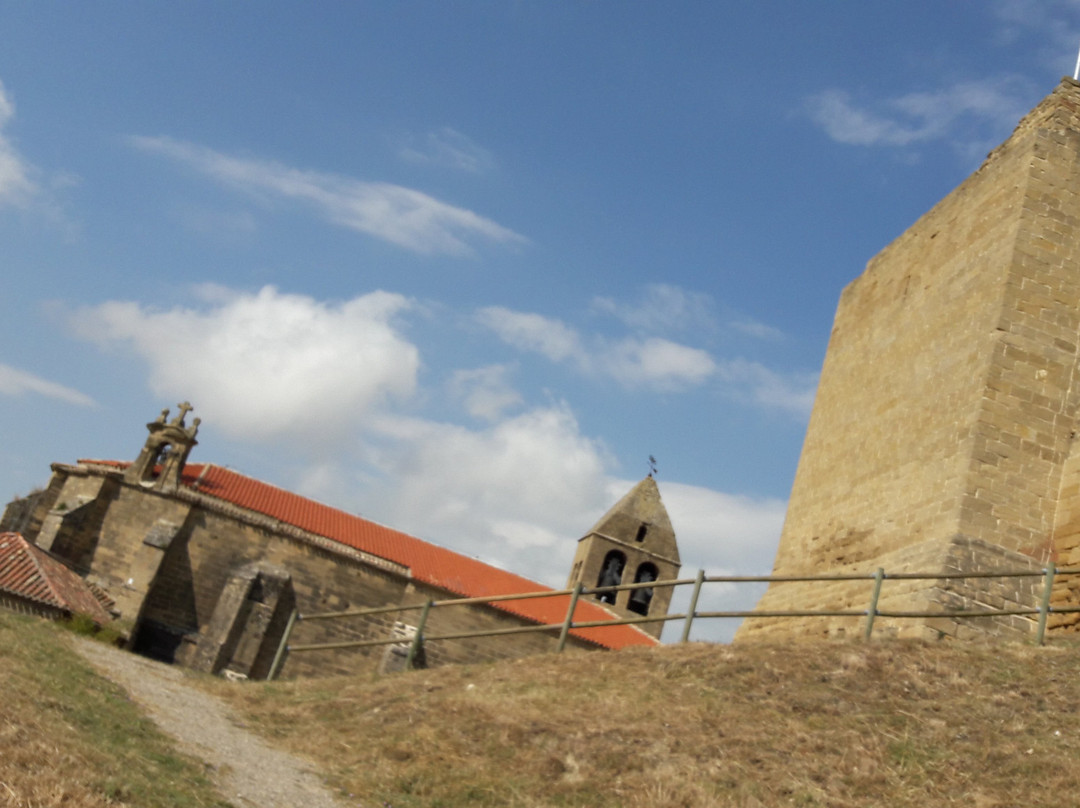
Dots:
pixel 16 187
pixel 485 391
pixel 919 117
pixel 724 532
pixel 520 494
pixel 517 494
pixel 268 364
pixel 662 307
pixel 401 216
pixel 449 148
pixel 15 382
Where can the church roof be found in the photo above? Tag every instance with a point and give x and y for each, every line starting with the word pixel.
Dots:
pixel 29 572
pixel 427 562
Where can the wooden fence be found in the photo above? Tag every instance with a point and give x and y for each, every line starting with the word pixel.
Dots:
pixel 869 614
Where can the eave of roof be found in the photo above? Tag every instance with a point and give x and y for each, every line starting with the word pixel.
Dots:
pixel 429 563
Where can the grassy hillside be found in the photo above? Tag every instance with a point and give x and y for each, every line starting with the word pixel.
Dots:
pixel 70 738
pixel 810 724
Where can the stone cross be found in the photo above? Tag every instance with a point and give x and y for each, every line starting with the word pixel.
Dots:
pixel 184 408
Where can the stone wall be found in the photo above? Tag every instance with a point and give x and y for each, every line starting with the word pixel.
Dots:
pixel 961 554
pixel 167 559
pixel 948 398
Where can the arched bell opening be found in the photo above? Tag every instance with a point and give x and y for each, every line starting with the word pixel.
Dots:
pixel 641 598
pixel 611 572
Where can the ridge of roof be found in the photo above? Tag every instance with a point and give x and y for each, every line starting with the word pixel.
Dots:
pixel 427 562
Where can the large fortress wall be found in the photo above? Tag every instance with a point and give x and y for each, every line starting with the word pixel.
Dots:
pixel 1029 408
pixel 946 407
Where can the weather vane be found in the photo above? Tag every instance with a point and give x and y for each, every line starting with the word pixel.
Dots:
pixel 652 465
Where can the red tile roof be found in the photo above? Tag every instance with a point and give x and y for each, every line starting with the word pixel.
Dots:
pixel 427 562
pixel 31 573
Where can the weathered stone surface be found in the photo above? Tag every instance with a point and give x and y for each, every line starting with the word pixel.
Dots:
pixel 948 400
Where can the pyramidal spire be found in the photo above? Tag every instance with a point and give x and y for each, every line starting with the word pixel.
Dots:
pixel 640 518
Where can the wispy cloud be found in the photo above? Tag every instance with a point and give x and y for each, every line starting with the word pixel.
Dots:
pixel 15 382
pixel 448 148
pixel 664 308
pixel 533 332
pixel 16 187
pixel 486 392
pixel 632 361
pixel 651 362
pixel 755 329
pixel 661 307
pixel 402 216
pixel 919 117
pixel 1052 22
pixel 757 383
pixel 654 362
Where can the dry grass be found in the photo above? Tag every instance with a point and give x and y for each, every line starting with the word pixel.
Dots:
pixel 71 738
pixel 891 723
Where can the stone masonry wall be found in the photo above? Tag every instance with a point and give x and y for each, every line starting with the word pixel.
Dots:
pixel 1029 406
pixel 961 554
pixel 166 560
pixel 948 398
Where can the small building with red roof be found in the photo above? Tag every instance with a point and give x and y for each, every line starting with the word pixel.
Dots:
pixel 206 566
pixel 34 582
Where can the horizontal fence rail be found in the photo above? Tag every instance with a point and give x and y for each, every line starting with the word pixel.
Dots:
pixel 568 624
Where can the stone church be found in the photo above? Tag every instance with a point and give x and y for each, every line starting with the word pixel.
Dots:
pixel 206 565
pixel 944 435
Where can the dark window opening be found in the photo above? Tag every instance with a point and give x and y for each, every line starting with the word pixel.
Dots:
pixel 611 575
pixel 641 598
pixel 641 531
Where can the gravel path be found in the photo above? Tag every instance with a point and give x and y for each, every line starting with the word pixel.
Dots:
pixel 245 769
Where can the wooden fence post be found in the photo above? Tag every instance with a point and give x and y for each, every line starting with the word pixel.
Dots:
pixel 294 615
pixel 1044 603
pixel 569 621
pixel 693 606
pixel 879 576
pixel 418 637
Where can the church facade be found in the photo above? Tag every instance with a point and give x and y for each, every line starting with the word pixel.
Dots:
pixel 206 565
pixel 944 434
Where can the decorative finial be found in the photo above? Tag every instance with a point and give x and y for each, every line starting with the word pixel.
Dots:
pixel 652 465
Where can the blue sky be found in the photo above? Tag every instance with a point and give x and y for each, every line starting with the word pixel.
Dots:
pixel 462 267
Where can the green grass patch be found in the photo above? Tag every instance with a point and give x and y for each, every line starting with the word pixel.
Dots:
pixel 70 737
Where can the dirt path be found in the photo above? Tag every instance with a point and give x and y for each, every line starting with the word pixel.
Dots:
pixel 246 770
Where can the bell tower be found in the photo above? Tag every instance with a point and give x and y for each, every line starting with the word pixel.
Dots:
pixel 632 543
pixel 165 452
